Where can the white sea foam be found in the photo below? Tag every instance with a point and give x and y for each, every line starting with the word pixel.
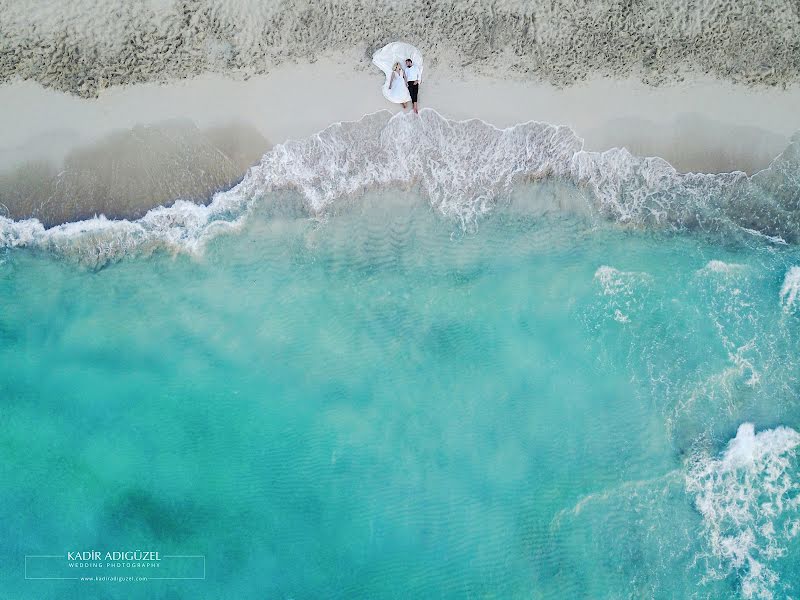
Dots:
pixel 623 291
pixel 185 226
pixel 718 266
pixel 790 290
pixel 748 498
pixel 462 167
pixel 729 293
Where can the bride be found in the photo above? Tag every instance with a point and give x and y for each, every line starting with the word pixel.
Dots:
pixel 398 87
pixel 390 60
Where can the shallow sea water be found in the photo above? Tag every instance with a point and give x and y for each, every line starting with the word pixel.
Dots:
pixel 379 405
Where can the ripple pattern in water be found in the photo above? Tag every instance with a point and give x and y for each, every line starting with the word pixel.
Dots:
pixel 379 405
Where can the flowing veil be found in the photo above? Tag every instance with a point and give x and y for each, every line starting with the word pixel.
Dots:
pixel 385 58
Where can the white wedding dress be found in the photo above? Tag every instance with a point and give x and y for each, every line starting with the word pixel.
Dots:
pixel 385 59
pixel 396 88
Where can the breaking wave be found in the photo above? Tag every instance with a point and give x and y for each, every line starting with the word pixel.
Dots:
pixel 624 292
pixel 464 169
pixel 748 499
pixel 790 290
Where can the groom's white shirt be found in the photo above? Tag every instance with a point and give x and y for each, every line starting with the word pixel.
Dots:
pixel 412 73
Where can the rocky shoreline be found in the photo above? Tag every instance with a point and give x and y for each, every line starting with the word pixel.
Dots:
pixel 89 46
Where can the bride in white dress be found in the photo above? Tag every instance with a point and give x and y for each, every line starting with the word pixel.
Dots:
pixel 397 90
pixel 388 59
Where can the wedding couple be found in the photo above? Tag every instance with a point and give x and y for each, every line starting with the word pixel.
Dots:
pixel 404 84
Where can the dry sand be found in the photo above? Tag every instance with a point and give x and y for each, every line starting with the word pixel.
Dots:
pixel 64 157
pixel 84 46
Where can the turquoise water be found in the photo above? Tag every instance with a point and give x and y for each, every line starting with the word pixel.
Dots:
pixel 379 405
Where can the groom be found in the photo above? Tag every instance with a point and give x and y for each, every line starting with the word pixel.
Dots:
pixel 413 79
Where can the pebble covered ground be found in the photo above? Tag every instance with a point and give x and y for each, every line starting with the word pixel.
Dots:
pixel 84 46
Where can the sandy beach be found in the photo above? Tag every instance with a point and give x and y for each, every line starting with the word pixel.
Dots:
pixel 116 108
pixel 128 134
pixel 704 125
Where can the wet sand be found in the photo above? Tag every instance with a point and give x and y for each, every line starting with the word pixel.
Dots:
pixel 127 172
pixel 134 147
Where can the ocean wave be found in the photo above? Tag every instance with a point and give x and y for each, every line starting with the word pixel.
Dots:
pixel 624 292
pixel 463 168
pixel 748 499
pixel 183 227
pixel 790 290
pixel 719 267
